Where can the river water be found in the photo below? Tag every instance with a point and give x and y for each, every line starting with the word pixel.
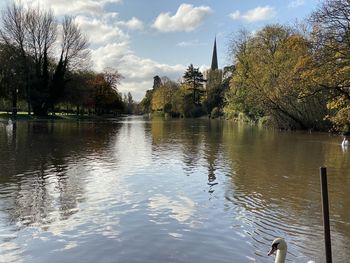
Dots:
pixel 140 190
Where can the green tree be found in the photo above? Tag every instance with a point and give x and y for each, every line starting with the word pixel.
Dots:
pixel 11 77
pixel 329 68
pixel 215 90
pixel 79 93
pixel 162 96
pixel 194 78
pixel 267 80
pixel 129 103
pixel 157 82
pixel 146 103
pixel 106 96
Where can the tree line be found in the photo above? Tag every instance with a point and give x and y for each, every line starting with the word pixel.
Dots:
pixel 291 77
pixel 44 67
pixel 297 76
pixel 193 96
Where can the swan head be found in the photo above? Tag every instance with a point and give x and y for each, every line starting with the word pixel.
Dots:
pixel 278 244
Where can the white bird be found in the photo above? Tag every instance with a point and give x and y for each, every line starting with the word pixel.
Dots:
pixel 9 122
pixel 345 142
pixel 280 246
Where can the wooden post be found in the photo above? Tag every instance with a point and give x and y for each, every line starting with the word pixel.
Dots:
pixel 325 210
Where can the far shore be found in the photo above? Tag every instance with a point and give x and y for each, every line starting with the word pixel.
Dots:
pixel 23 116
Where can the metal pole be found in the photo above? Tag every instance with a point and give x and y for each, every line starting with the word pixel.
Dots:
pixel 325 209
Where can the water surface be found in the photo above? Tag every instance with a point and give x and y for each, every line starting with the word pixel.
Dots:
pixel 140 190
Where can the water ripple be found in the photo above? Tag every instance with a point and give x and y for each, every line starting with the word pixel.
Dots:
pixel 136 190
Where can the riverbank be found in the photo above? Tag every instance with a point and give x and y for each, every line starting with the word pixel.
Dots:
pixel 23 116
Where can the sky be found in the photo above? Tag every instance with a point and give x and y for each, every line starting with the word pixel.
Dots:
pixel 144 38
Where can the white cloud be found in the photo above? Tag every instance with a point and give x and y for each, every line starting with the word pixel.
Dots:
pixel 296 3
pixel 111 48
pixel 133 24
pixel 112 1
pixel 64 7
pixel 100 32
pixel 138 72
pixel 190 43
pixel 203 68
pixel 187 18
pixel 109 55
pixel 182 209
pixel 110 18
pixel 235 15
pixel 253 15
pixel 110 43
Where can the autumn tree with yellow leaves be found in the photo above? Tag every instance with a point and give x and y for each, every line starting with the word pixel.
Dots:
pixel 330 67
pixel 267 82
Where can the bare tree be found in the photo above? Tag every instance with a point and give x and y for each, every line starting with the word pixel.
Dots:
pixel 73 53
pixel 74 45
pixel 35 33
pixel 41 36
pixel 32 32
pixel 13 27
pixel 112 78
pixel 331 24
pixel 13 35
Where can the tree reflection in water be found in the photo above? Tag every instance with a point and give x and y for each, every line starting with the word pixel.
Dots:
pixel 208 185
pixel 41 169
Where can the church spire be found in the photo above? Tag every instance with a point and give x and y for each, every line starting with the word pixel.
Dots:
pixel 214 60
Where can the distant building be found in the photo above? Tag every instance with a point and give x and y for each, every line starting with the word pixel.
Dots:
pixel 214 60
pixel 214 74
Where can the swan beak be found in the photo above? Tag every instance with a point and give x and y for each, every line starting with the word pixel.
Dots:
pixel 273 249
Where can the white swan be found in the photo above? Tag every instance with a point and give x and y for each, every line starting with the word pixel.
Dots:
pixel 345 142
pixel 280 246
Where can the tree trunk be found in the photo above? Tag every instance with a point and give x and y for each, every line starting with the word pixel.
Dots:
pixel 40 111
pixel 14 102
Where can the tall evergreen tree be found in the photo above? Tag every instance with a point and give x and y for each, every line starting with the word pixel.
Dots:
pixel 194 78
pixel 157 82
